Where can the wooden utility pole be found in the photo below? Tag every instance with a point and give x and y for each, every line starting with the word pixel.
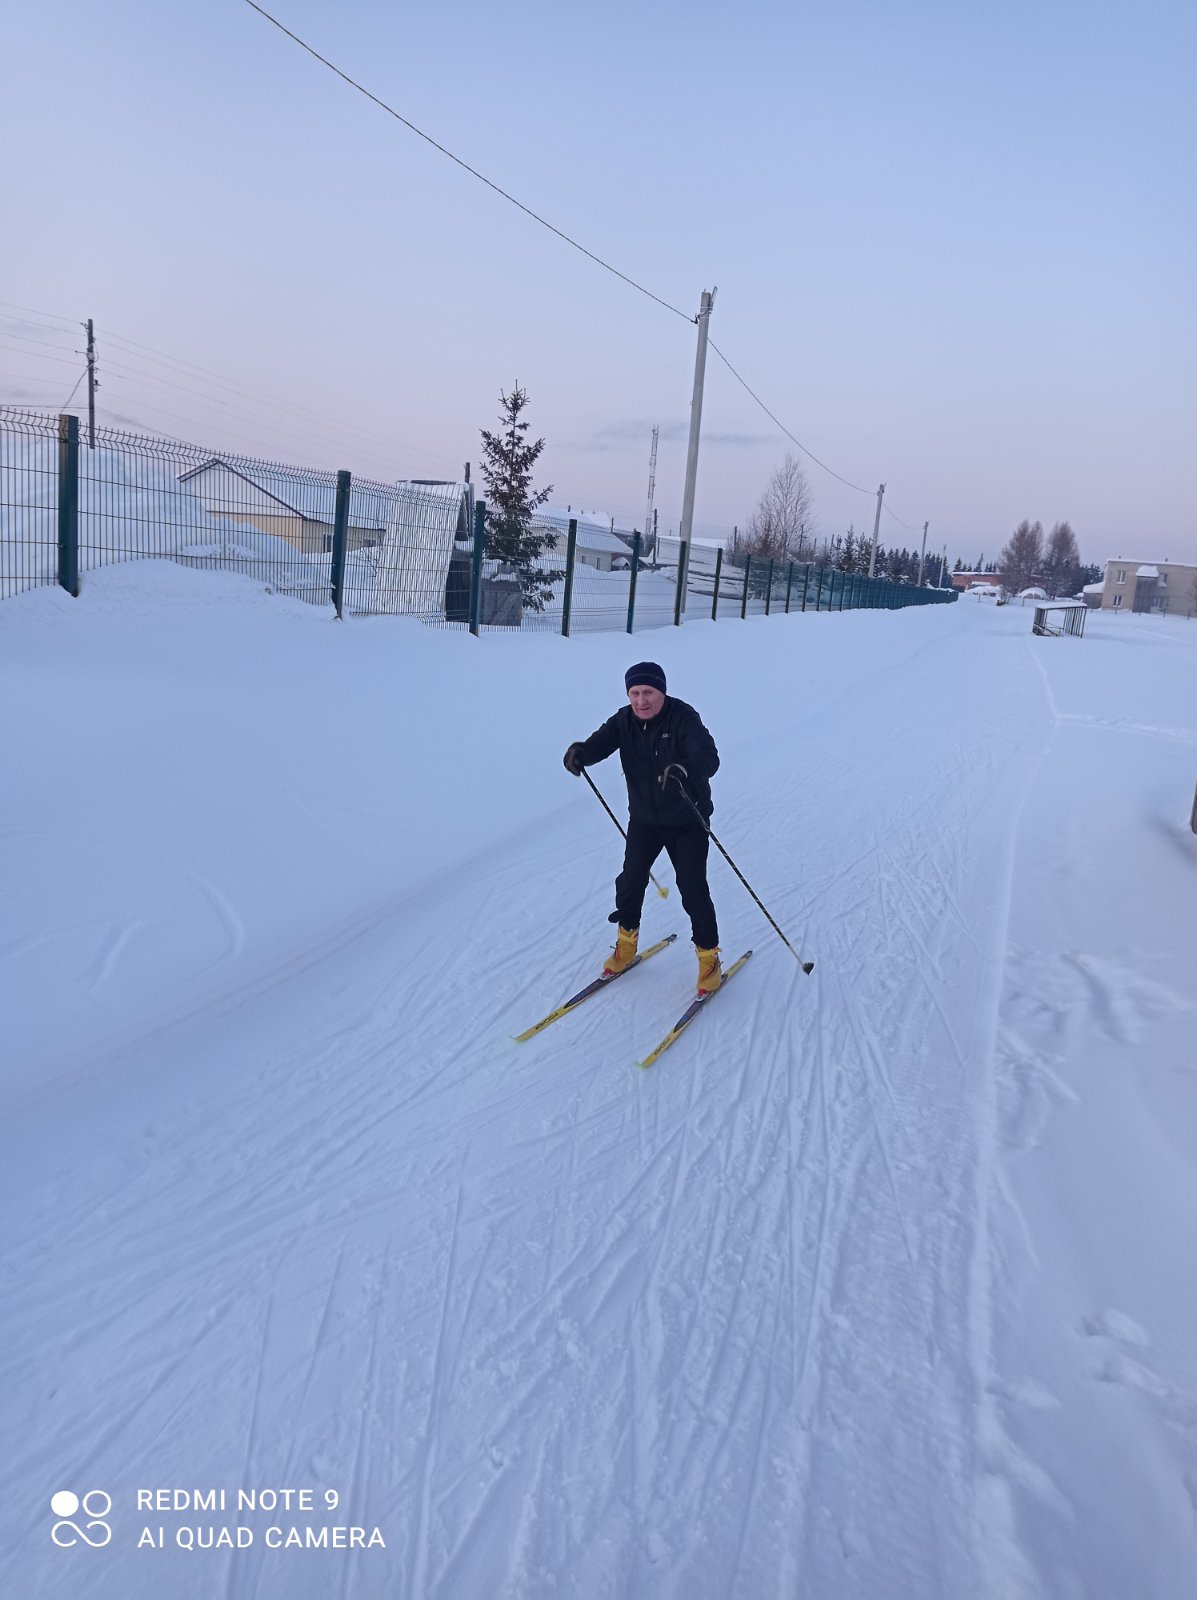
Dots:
pixel 923 553
pixel 91 385
pixel 876 530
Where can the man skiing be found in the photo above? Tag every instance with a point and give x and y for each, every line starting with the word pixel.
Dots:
pixel 667 754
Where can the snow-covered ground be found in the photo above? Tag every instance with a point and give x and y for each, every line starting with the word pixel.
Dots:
pixel 880 1284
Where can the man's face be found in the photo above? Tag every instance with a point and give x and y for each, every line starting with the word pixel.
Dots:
pixel 646 701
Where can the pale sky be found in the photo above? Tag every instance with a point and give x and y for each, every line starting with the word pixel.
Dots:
pixel 954 246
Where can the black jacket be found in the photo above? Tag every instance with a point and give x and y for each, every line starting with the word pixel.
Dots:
pixel 675 734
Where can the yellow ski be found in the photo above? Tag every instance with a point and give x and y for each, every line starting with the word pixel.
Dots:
pixel 591 988
pixel 691 1011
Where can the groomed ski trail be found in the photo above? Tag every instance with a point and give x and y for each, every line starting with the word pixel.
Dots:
pixel 559 1326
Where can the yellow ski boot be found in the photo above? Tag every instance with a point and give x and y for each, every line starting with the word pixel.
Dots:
pixel 624 953
pixel 710 973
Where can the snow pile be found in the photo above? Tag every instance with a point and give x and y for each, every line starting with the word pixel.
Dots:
pixel 880 1284
pixel 129 505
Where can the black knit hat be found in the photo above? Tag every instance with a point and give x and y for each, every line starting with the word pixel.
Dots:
pixel 647 672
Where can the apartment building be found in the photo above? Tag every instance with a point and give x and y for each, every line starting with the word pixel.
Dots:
pixel 1160 588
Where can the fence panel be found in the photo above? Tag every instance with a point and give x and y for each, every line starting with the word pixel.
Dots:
pixel 143 497
pixel 418 564
pixel 28 500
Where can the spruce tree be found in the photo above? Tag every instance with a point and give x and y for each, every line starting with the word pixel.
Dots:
pixel 506 467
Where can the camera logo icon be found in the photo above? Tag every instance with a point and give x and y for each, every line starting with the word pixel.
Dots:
pixel 95 1506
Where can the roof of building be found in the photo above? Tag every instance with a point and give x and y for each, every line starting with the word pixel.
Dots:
pixel 593 533
pixel 304 495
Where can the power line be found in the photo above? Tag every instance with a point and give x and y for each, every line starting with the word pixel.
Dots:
pixel 428 139
pixel 120 383
pixel 233 412
pixel 799 443
pixel 778 423
pixel 27 338
pixel 909 525
pixel 74 391
pixel 50 316
pixel 57 360
pixel 184 368
pixel 177 367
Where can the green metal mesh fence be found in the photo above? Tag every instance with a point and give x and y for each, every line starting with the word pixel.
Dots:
pixel 70 504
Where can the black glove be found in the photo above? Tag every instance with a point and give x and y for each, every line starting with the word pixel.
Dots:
pixel 573 762
pixel 676 771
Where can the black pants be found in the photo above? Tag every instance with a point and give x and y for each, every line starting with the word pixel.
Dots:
pixel 687 849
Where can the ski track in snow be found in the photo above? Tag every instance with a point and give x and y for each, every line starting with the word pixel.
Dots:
pixel 432 1268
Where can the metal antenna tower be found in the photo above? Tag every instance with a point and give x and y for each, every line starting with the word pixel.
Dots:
pixel 652 483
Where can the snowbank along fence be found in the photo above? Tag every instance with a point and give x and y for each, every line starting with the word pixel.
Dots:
pixel 70 503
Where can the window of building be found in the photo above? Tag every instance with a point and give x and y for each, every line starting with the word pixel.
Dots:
pixel 1121 578
pixel 1117 601
pixel 1163 577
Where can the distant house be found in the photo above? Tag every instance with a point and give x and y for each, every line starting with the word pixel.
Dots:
pixel 598 546
pixel 966 580
pixel 1159 588
pixel 295 506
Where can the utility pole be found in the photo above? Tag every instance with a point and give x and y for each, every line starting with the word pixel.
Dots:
pixel 92 385
pixel 652 480
pixel 876 530
pixel 923 553
pixel 943 571
pixel 700 367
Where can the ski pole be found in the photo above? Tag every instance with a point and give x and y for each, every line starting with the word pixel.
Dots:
pixel 807 966
pixel 664 893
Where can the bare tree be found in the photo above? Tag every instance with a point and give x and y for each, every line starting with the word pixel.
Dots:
pixel 781 528
pixel 1022 559
pixel 1062 562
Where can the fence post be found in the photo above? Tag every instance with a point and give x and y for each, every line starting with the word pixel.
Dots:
pixel 68 504
pixel 339 541
pixel 476 565
pixel 744 600
pixel 632 579
pixel 805 583
pixel 718 570
pixel 1193 818
pixel 683 551
pixel 769 587
pixel 567 599
pixel 789 586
